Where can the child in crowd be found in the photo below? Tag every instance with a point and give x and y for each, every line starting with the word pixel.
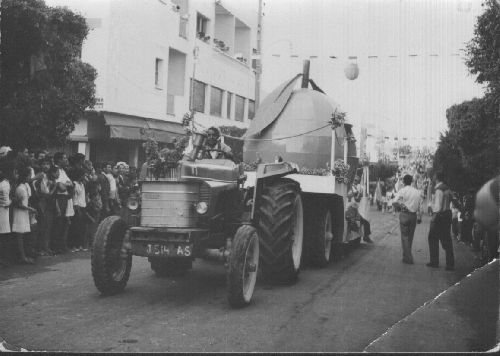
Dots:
pixel 21 211
pixel 79 226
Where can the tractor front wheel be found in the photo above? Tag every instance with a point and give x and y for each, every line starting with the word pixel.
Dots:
pixel 243 266
pixel 111 260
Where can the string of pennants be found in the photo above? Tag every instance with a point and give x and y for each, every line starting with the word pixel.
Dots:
pixel 369 57
pixel 404 138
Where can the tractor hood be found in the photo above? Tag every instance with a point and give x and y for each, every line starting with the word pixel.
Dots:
pixel 223 170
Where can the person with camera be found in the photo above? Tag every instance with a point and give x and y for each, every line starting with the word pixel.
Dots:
pixel 214 148
pixel 408 200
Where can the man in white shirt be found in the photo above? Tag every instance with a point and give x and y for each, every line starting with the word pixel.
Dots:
pixel 408 199
pixel 65 202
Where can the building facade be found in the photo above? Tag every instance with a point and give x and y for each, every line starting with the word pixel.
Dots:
pixel 147 53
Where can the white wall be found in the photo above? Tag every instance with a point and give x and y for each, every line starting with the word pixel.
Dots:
pixel 224 30
pixel 133 33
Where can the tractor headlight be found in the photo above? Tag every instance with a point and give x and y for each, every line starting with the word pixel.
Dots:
pixel 201 207
pixel 132 203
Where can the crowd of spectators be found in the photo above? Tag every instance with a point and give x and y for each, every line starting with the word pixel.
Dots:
pixel 52 204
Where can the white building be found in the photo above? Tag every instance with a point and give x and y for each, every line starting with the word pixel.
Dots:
pixel 143 51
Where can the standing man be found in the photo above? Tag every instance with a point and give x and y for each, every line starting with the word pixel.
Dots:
pixel 408 200
pixel 103 182
pixel 64 199
pixel 440 225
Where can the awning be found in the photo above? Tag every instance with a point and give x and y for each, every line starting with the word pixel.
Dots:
pixel 130 127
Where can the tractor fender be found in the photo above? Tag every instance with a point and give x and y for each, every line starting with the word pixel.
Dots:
pixel 265 172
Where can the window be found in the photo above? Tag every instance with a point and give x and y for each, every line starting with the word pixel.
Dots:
pixel 199 96
pixel 159 73
pixel 201 25
pixel 216 102
pixel 239 113
pixel 251 109
pixel 228 113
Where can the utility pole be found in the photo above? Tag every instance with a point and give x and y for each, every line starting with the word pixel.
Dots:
pixel 258 66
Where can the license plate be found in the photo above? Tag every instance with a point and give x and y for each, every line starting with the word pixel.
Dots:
pixel 169 249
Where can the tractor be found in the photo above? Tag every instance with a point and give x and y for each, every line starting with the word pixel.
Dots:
pixel 199 209
pixel 253 221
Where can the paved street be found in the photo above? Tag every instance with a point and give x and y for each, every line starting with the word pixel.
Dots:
pixel 367 301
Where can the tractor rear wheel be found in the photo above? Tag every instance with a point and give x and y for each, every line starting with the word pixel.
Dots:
pixel 281 225
pixel 243 265
pixel 170 267
pixel 320 238
pixel 111 261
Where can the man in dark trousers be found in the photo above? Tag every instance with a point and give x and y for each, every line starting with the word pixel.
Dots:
pixel 440 225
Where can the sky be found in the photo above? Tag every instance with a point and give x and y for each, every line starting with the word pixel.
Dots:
pixel 404 94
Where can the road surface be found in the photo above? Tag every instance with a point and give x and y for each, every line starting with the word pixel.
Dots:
pixel 349 306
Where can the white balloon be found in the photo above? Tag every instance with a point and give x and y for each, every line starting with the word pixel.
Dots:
pixel 351 71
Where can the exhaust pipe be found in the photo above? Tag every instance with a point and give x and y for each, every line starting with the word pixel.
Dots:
pixel 305 73
pixel 215 254
pixel 218 254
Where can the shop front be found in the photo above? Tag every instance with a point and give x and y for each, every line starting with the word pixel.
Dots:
pixel 112 137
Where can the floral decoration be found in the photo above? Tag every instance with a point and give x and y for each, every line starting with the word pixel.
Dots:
pixel 340 171
pixel 337 119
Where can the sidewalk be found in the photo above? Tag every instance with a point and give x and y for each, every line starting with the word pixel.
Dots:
pixel 462 318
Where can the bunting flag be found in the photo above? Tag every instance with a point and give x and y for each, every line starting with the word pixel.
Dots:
pixel 351 58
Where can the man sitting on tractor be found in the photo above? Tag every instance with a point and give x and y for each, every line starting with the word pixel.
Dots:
pixel 214 148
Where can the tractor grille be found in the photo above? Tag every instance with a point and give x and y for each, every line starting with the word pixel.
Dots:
pixel 169 204
pixel 205 193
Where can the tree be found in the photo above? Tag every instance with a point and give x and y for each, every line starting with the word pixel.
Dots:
pixel 382 171
pixel 448 160
pixel 45 87
pixel 469 152
pixel 483 51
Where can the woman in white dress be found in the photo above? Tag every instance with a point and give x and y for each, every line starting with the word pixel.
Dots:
pixel 4 216
pixel 21 217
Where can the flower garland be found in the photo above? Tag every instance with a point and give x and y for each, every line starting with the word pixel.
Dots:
pixel 337 119
pixel 314 171
pixel 341 171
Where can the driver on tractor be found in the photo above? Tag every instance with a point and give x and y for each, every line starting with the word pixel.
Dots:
pixel 214 148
